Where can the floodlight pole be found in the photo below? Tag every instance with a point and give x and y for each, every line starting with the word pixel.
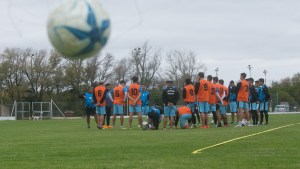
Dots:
pixel 250 67
pixel 216 70
pixel 265 72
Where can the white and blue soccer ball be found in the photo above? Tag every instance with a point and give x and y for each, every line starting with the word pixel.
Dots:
pixel 145 125
pixel 79 28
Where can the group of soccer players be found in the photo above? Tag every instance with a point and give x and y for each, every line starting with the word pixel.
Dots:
pixel 245 99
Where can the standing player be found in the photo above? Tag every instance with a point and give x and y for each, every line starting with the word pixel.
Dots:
pixel 188 95
pixel 264 98
pixel 201 91
pixel 224 103
pixel 135 104
pixel 242 89
pixel 119 94
pixel 90 108
pixel 185 114
pixel 145 100
pixel 170 97
pixel 257 88
pixel 99 97
pixel 253 98
pixel 108 107
pixel 232 100
pixel 212 98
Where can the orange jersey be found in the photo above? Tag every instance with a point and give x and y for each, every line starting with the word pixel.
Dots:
pixel 184 110
pixel 99 92
pixel 134 92
pixel 243 94
pixel 119 95
pixel 190 93
pixel 226 100
pixel 203 95
pixel 212 93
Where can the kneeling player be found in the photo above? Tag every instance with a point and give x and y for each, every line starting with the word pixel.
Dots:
pixel 184 114
pixel 154 117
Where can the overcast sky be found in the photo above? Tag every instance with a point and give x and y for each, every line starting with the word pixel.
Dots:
pixel 228 34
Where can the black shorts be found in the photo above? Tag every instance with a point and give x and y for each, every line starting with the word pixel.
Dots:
pixel 218 106
pixel 90 111
pixel 155 119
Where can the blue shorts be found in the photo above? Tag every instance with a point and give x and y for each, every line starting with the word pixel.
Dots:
pixel 169 111
pixel 223 110
pixel 264 106
pixel 183 118
pixel 145 110
pixel 252 106
pixel 243 105
pixel 100 110
pixel 118 109
pixel 135 108
pixel 233 107
pixel 191 106
pixel 212 107
pixel 203 107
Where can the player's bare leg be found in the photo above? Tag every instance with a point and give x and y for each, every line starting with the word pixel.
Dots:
pixel 130 119
pixel 171 121
pixel 140 119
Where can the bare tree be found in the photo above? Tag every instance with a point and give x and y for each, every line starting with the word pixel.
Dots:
pixel 12 79
pixel 74 75
pixel 121 71
pixel 146 62
pixel 39 69
pixel 182 64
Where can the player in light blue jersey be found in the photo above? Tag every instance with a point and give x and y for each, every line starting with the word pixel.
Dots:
pixel 90 108
pixel 154 116
pixel 145 95
pixel 232 100
pixel 264 98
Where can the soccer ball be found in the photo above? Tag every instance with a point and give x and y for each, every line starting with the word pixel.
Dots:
pixel 145 125
pixel 78 28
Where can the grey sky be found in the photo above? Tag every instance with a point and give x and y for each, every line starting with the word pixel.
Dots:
pixel 228 34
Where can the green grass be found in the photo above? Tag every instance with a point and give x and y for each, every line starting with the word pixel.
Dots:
pixel 69 144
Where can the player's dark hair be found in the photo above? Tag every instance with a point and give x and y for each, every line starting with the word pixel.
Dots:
pixel 216 78
pixel 221 81
pixel 188 81
pixel 135 79
pixel 251 80
pixel 262 80
pixel 201 74
pixel 122 82
pixel 209 77
pixel 244 75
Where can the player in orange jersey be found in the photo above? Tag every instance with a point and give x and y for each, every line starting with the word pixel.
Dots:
pixel 224 104
pixel 188 95
pixel 135 104
pixel 201 91
pixel 119 94
pixel 212 98
pixel 242 89
pixel 184 113
pixel 99 97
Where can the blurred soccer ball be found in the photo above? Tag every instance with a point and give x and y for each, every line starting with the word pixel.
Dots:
pixel 78 28
pixel 145 125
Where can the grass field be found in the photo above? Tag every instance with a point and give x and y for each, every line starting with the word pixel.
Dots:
pixel 69 144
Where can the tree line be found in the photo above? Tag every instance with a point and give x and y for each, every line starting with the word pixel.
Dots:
pixel 33 75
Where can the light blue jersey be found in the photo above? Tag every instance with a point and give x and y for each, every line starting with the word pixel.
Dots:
pixel 89 100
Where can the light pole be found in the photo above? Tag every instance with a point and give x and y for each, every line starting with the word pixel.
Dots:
pixel 217 69
pixel 176 78
pixel 265 72
pixel 250 67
